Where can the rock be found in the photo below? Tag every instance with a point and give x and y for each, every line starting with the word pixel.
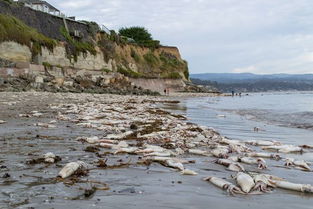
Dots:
pixel 68 83
pixel 39 79
pixel 58 81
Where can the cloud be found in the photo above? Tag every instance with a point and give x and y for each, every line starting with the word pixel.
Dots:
pixel 216 35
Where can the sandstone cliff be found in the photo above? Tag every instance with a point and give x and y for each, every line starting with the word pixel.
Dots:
pixel 36 37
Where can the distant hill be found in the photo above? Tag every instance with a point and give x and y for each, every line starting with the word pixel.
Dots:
pixel 249 82
pixel 250 77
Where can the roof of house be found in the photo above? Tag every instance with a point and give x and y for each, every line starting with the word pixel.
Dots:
pixel 39 2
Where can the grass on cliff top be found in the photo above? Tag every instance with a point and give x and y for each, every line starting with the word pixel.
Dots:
pixel 13 29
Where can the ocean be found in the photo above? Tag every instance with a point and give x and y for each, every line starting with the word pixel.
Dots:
pixel 282 116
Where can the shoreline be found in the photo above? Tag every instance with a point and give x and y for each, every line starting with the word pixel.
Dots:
pixel 73 125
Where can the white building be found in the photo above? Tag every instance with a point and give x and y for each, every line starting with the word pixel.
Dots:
pixel 42 6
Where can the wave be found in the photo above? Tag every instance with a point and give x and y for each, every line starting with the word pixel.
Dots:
pixel 303 120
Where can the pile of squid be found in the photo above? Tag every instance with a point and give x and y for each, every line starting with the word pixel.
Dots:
pixel 137 126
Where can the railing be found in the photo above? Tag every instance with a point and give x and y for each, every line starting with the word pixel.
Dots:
pixel 105 29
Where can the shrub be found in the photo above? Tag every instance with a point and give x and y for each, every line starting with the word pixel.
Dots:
pixel 47 65
pixel 172 75
pixel 170 61
pixel 106 70
pixel 186 72
pixel 137 33
pixel 134 55
pixel 151 59
pixel 140 35
pixel 128 72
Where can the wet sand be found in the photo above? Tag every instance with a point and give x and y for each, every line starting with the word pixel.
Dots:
pixel 137 186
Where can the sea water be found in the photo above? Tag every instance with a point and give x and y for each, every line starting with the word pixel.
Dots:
pixel 282 116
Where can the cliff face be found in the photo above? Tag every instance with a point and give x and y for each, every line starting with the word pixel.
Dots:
pixel 90 51
pixel 145 63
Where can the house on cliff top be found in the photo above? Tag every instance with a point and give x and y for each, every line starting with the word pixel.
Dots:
pixel 42 6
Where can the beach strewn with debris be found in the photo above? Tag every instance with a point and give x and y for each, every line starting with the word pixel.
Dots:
pixel 91 150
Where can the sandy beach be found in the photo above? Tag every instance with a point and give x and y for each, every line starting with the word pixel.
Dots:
pixel 136 154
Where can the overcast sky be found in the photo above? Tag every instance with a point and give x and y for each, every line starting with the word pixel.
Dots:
pixel 258 36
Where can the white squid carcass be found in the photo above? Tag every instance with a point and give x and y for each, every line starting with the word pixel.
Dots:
pixel 263 143
pixel 231 165
pixel 49 157
pixel 150 149
pixel 263 155
pixel 174 164
pixel 224 140
pixel 284 148
pixel 299 164
pixel 165 153
pixel 188 172
pixel 225 185
pixel 169 162
pixel 71 168
pixel 305 188
pixel 198 152
pixel 220 152
pixel 259 161
pixel 45 125
pixel 245 182
pixel 121 144
pixel 129 150
pixel 238 148
pixel 89 140
pixel 263 183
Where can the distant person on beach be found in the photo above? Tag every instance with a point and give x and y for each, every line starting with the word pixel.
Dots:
pixel 232 93
pixel 165 91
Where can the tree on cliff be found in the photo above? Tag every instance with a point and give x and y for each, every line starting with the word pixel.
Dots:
pixel 140 35
pixel 137 33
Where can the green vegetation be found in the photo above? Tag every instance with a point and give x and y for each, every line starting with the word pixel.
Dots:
pixel 140 35
pixel 47 65
pixel 151 59
pixel 170 61
pixel 172 75
pixel 8 1
pixel 13 29
pixel 137 33
pixel 186 72
pixel 135 56
pixel 74 47
pixel 106 70
pixel 128 72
